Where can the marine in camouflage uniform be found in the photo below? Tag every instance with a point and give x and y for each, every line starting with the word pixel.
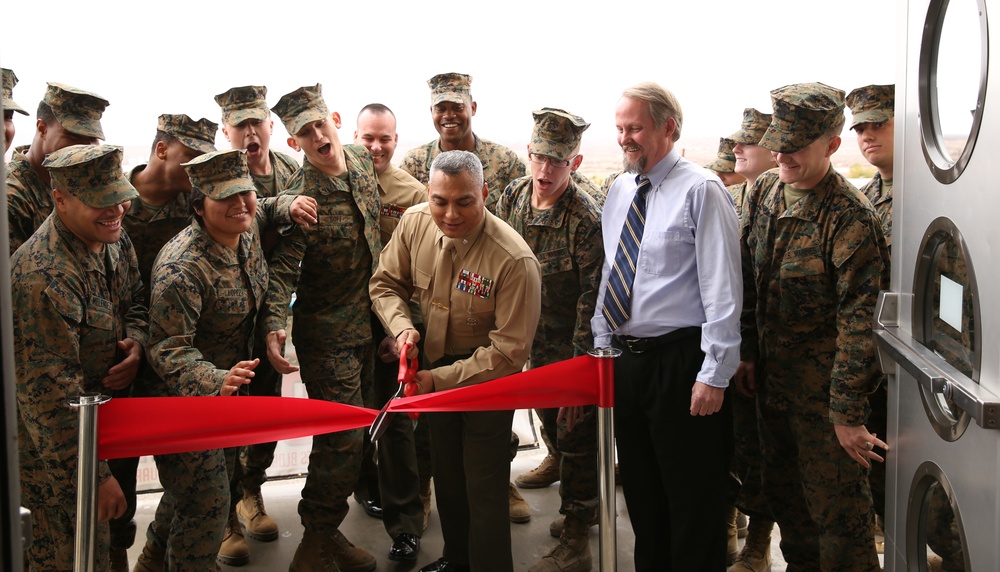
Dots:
pixel 160 212
pixel 9 107
pixel 500 164
pixel 247 124
pixel 68 116
pixel 208 293
pixel 811 273
pixel 564 232
pixel 85 296
pixel 724 164
pixel 328 265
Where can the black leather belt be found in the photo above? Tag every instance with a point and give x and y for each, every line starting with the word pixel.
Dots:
pixel 642 345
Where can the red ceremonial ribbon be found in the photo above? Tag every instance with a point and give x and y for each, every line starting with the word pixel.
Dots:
pixel 139 426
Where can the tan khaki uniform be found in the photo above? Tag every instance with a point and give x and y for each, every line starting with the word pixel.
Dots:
pixel 492 300
pixel 398 191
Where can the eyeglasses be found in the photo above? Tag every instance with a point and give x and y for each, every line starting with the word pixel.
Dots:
pixel 553 162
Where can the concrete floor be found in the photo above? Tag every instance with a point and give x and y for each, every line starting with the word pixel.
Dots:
pixel 530 541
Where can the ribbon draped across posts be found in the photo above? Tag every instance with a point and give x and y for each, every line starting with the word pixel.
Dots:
pixel 139 426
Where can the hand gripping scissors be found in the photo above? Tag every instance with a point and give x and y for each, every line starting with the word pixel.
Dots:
pixel 407 387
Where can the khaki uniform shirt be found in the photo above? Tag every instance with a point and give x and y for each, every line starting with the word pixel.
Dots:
pixel 881 199
pixel 73 308
pixel 566 239
pixel 29 199
pixel 328 264
pixel 398 191
pixel 500 165
pixel 203 310
pixel 811 277
pixel 495 322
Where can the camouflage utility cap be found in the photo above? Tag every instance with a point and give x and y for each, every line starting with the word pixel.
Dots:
pixel 197 135
pixel 91 173
pixel 301 107
pixel 802 113
pixel 76 110
pixel 754 125
pixel 242 103
pixel 557 133
pixel 9 81
pixel 454 87
pixel 725 160
pixel 872 104
pixel 220 174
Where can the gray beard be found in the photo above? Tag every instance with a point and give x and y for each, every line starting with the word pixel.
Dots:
pixel 636 167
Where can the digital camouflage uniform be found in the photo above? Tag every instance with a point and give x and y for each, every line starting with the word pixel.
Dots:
pixel 746 438
pixel 208 294
pixel 332 316
pixel 811 276
pixel 29 199
pixel 876 104
pixel 500 164
pixel 566 240
pixel 82 303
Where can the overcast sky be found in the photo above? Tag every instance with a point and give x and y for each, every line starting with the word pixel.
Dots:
pixel 718 57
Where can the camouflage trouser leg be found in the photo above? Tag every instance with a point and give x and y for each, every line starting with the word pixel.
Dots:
pixel 550 429
pixel 52 540
pixel 942 530
pixel 255 459
pixel 578 480
pixel 197 485
pixel 746 455
pixel 335 459
pixel 818 494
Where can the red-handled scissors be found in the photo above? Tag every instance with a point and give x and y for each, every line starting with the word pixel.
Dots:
pixel 407 370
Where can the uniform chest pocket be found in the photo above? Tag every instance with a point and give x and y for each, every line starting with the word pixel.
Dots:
pixel 421 279
pixel 663 251
pixel 233 301
pixel 100 317
pixel 555 261
pixel 471 314
pixel 337 226
pixel 802 263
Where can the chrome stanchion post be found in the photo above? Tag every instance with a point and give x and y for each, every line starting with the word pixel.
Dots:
pixel 86 482
pixel 606 455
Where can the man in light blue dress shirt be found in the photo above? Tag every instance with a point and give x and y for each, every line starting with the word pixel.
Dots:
pixel 679 337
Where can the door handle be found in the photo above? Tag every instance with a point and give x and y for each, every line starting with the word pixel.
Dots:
pixel 934 374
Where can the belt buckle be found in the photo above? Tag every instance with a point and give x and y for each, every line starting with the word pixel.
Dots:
pixel 634 349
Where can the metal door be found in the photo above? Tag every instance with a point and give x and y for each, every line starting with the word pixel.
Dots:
pixel 937 330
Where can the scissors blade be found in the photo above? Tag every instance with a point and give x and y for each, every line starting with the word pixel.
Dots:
pixel 381 422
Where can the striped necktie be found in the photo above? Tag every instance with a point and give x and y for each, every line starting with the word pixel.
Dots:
pixel 618 298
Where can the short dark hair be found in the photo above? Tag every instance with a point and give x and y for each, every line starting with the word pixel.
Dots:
pixel 161 136
pixel 45 113
pixel 377 109
pixel 197 200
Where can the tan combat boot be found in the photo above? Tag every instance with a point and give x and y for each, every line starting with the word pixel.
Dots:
pixel 151 559
pixel 756 553
pixel 546 473
pixel 520 512
pixel 572 554
pixel 732 536
pixel 310 556
pixel 349 558
pixel 556 528
pixel 260 526
pixel 234 550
